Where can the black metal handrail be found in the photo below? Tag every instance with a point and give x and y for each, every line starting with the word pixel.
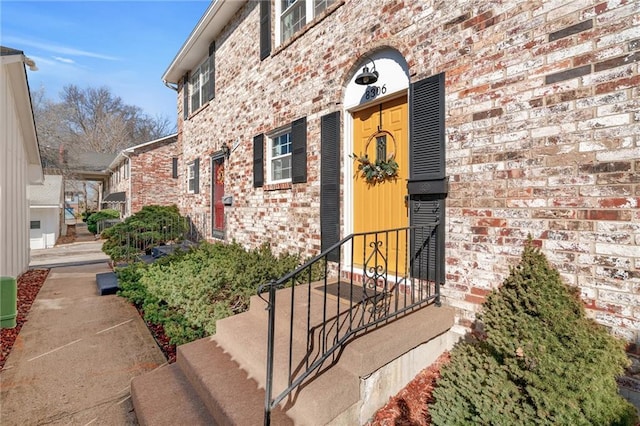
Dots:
pixel 362 281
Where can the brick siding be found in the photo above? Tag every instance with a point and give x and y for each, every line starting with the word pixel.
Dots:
pixel 542 128
pixel 152 179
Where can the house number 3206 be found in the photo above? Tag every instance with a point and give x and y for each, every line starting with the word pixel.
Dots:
pixel 373 91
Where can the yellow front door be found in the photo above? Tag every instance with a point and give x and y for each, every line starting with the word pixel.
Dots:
pixel 381 130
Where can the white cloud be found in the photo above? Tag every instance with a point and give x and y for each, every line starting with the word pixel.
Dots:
pixel 63 50
pixel 65 60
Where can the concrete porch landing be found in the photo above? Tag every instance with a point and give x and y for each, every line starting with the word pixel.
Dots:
pixel 220 379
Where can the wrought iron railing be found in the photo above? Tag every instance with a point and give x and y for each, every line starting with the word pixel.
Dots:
pixel 103 224
pixel 360 282
pixel 132 241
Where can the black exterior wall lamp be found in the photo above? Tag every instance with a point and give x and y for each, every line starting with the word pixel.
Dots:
pixel 226 150
pixel 367 77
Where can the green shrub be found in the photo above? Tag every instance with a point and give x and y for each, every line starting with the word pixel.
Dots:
pixel 188 292
pixel 139 233
pixel 86 214
pixel 540 361
pixel 93 219
pixel 129 283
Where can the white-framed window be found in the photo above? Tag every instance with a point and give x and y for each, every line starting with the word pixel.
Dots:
pixel 279 150
pixel 191 177
pixel 293 15
pixel 201 84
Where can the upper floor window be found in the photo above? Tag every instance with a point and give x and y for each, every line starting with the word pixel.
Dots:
pixel 202 83
pixel 279 157
pixel 295 14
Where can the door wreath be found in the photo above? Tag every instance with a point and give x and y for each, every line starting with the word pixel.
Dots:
pixel 385 166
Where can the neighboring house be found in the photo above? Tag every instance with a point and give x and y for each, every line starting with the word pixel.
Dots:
pixel 506 119
pixel 90 174
pixel 85 175
pixel 47 212
pixel 73 196
pixel 142 175
pixel 20 164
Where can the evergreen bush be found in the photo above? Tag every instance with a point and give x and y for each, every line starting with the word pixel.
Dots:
pixel 539 361
pixel 86 214
pixel 93 219
pixel 189 291
pixel 139 233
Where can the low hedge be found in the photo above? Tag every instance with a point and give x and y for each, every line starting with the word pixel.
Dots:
pixel 187 292
pixel 138 234
pixel 94 218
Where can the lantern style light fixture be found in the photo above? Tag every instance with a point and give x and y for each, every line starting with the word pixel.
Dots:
pixel 226 150
pixel 367 77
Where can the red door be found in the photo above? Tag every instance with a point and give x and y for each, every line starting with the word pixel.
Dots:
pixel 218 192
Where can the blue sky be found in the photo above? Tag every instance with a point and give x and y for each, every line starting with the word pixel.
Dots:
pixel 124 45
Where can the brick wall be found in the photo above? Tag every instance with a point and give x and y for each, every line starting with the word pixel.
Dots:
pixel 118 180
pixel 152 179
pixel 543 125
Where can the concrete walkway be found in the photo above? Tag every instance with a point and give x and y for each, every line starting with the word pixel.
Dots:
pixel 77 353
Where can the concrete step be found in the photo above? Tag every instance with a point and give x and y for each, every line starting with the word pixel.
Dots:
pixel 229 395
pixel 165 397
pixel 223 376
pixel 389 338
pixel 374 348
pixel 327 317
pixel 321 397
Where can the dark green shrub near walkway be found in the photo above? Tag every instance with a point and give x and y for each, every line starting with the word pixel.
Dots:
pixel 188 292
pixel 139 233
pixel 539 361
pixel 94 218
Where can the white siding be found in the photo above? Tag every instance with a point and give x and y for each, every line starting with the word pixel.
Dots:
pixel 14 172
pixel 48 233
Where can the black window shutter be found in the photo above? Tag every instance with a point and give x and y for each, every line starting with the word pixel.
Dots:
pixel 211 89
pixel 258 165
pixel 427 129
pixel 185 96
pixel 427 184
pixel 196 176
pixel 265 29
pixel 427 237
pixel 330 183
pixel 174 167
pixel 299 150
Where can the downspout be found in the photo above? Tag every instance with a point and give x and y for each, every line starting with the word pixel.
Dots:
pixel 130 184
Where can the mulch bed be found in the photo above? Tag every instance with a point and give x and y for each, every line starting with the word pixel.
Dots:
pixel 29 285
pixel 157 331
pixel 410 406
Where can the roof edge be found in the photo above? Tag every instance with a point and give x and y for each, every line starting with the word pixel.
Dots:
pixel 217 15
pixel 121 155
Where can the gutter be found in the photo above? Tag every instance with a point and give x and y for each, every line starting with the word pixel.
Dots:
pixel 170 85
